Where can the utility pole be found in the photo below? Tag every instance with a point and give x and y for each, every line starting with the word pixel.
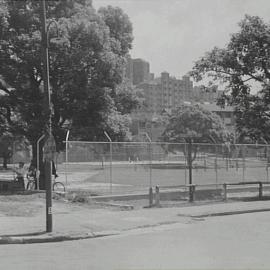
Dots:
pixel 190 169
pixel 48 160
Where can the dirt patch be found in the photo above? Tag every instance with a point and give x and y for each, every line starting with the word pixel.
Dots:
pixel 29 205
pixel 22 205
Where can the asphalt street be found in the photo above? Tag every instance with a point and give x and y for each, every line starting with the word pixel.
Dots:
pixel 224 242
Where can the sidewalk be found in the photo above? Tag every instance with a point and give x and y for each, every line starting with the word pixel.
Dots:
pixel 80 221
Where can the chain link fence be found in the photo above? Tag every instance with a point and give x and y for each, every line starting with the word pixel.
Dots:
pixel 130 167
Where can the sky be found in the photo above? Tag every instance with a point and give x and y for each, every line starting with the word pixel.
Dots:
pixel 172 34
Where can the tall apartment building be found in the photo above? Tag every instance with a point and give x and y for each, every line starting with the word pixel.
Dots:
pixel 141 71
pixel 174 91
pixel 153 95
pixel 167 93
pixel 137 71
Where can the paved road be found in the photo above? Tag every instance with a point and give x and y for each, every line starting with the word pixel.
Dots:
pixel 228 242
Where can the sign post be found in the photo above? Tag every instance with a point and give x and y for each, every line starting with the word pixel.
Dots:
pixel 49 154
pixel 49 147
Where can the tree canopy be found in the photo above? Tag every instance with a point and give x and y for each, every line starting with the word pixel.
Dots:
pixel 87 55
pixel 197 123
pixel 243 65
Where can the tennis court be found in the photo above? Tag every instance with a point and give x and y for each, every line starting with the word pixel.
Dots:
pixel 134 168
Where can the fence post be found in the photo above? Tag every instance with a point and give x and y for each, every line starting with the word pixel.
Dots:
pixel 150 157
pixel 110 140
pixel 185 156
pixel 191 192
pixel 225 191
pixel 216 168
pixel 150 197
pixel 190 170
pixel 267 172
pixel 157 197
pixel 67 135
pixel 244 161
pixel 267 164
pixel 237 156
pixel 260 190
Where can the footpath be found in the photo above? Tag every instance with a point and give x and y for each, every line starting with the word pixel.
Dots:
pixel 23 218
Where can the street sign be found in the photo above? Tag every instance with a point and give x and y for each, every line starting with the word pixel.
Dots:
pixel 49 148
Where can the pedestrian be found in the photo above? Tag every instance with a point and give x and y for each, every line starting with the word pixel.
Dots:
pixel 20 173
pixel 54 170
pixel 32 173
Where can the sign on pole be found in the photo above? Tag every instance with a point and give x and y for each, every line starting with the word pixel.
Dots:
pixel 49 148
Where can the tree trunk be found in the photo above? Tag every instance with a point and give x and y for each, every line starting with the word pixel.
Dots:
pixel 5 162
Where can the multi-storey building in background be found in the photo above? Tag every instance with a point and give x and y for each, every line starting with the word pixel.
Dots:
pixel 141 71
pixel 166 93
pixel 138 71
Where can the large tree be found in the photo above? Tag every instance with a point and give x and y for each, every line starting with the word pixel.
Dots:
pixel 243 66
pixel 86 65
pixel 194 122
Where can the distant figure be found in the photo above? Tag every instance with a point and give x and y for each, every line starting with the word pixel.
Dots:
pixel 32 173
pixel 20 173
pixel 54 170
